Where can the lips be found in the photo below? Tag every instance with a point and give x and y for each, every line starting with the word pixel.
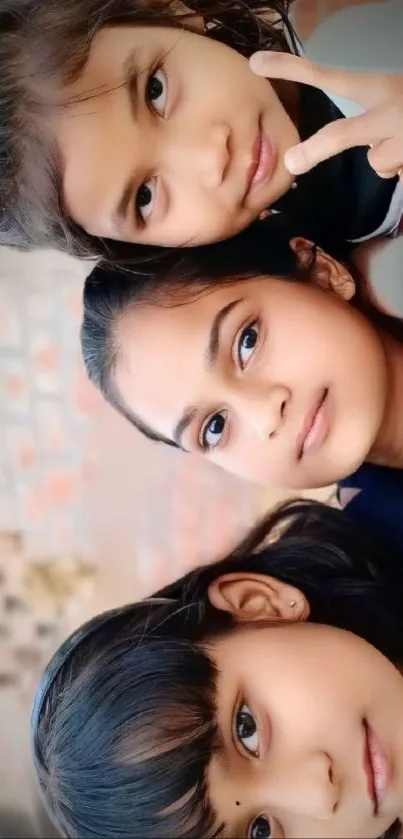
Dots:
pixel 376 767
pixel 315 427
pixel 262 162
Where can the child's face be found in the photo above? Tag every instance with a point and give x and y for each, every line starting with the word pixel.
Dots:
pixel 169 158
pixel 310 719
pixel 279 382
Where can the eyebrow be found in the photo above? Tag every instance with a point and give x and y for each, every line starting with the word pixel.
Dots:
pixel 211 355
pixel 215 331
pixel 131 74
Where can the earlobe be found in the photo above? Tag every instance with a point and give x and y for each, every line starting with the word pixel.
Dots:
pixel 256 597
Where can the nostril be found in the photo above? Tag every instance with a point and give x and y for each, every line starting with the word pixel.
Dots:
pixel 333 782
pixel 227 157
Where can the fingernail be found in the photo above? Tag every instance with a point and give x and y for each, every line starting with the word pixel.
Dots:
pixel 294 160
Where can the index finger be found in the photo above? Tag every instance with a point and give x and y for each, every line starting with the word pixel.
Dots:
pixel 333 138
pixel 365 88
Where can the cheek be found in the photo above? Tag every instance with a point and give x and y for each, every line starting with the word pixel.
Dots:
pixel 88 144
pixel 198 219
pixel 357 347
pixel 295 329
pixel 316 337
pixel 255 459
pixel 211 61
pixel 196 216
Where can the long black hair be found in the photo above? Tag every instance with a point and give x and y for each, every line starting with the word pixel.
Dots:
pixel 44 45
pixel 123 727
pixel 263 249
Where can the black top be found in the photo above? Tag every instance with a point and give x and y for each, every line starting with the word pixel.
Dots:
pixel 342 195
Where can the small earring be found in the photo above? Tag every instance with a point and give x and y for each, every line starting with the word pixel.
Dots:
pixel 294 185
pixel 292 604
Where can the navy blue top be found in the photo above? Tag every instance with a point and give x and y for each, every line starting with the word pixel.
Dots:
pixel 379 504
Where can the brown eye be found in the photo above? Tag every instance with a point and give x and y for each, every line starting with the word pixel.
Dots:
pixel 247 343
pixel 260 828
pixel 156 90
pixel 246 730
pixel 145 200
pixel 212 432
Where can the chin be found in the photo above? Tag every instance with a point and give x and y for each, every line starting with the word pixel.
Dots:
pixel 351 462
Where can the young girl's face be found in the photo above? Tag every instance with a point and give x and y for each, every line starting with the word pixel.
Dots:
pixel 280 382
pixel 311 731
pixel 183 144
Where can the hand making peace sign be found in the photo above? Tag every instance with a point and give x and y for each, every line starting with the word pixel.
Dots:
pixel 380 127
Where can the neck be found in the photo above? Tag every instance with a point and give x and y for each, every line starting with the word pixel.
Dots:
pixel 388 447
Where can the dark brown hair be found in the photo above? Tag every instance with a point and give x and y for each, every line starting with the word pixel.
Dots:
pixel 262 249
pixel 124 722
pixel 44 45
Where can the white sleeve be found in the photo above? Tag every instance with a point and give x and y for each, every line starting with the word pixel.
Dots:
pixel 392 220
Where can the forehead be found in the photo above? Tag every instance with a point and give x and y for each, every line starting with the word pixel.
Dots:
pixel 110 49
pixel 276 668
pixel 278 664
pixel 166 324
pixel 98 120
pixel 279 643
pixel 168 343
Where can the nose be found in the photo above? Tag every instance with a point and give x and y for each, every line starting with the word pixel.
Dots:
pixel 266 410
pixel 205 155
pixel 303 787
pixel 214 157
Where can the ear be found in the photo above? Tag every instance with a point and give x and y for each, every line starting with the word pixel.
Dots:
pixel 327 272
pixel 255 597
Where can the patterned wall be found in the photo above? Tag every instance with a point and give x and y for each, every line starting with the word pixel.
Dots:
pixel 44 400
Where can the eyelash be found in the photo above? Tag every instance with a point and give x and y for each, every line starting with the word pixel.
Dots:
pixel 158 65
pixel 206 447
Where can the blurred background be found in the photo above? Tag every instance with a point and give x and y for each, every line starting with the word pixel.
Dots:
pixel 91 514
